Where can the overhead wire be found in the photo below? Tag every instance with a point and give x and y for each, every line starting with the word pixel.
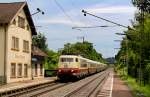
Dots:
pixel 88 24
pixel 92 26
pixel 82 20
pixel 63 10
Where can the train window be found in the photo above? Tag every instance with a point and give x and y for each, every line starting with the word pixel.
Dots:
pixel 83 65
pixel 62 59
pixel 77 60
pixel 93 65
pixel 66 59
pixel 69 59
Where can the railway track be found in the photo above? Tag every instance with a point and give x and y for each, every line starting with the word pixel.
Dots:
pixel 82 88
pixel 88 89
pixel 46 90
pixel 35 91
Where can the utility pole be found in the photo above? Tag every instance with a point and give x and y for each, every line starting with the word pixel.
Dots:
pixel 126 41
pixel 83 38
pixel 125 59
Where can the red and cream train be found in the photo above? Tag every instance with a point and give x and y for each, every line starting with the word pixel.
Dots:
pixel 77 66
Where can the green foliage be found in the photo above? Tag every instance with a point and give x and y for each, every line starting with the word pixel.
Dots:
pixel 133 84
pixel 137 50
pixel 51 61
pixel 142 5
pixel 84 49
pixel 137 88
pixel 40 41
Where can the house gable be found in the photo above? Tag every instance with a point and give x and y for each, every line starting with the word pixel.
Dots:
pixel 21 14
pixel 9 12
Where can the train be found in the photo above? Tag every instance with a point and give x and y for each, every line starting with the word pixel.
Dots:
pixel 74 66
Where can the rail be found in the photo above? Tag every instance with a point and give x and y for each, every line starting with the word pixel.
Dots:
pixel 23 90
pixel 80 88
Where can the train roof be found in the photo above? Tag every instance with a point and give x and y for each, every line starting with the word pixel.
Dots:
pixel 70 56
pixel 78 56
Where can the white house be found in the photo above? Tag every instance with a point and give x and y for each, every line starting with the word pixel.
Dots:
pixel 16 31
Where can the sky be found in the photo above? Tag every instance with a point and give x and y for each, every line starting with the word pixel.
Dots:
pixel 61 15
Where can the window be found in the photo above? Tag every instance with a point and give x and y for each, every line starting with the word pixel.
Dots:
pixel 35 70
pixel 25 70
pixel 21 22
pixel 25 46
pixel 13 70
pixel 77 60
pixel 14 22
pixel 41 69
pixel 19 70
pixel 15 43
pixel 92 65
pixel 66 59
pixel 83 65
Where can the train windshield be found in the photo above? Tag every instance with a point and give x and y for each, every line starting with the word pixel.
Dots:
pixel 66 60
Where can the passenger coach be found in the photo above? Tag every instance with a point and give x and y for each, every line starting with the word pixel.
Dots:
pixel 76 66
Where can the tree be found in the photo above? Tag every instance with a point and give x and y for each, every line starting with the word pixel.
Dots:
pixel 142 5
pixel 84 49
pixel 51 61
pixel 40 42
pixel 138 44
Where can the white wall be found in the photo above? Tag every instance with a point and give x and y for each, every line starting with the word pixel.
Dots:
pixel 18 56
pixel 2 47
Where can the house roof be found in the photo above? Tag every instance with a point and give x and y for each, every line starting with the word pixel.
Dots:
pixel 8 12
pixel 38 52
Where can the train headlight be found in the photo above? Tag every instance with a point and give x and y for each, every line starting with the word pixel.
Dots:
pixel 72 70
pixel 59 70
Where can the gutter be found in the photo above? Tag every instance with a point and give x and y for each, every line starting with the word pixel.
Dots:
pixel 5 56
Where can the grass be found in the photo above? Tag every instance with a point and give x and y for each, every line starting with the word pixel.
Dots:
pixel 134 85
pixel 136 88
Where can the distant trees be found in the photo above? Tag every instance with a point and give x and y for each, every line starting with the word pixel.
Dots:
pixel 40 41
pixel 85 49
pixel 110 60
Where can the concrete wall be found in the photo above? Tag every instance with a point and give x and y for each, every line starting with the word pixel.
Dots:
pixel 2 47
pixel 18 56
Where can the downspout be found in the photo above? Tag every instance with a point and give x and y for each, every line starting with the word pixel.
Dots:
pixel 32 64
pixel 5 54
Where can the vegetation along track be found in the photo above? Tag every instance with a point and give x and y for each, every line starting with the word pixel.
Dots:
pixel 89 88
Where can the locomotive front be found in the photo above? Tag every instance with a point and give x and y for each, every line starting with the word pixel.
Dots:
pixel 68 66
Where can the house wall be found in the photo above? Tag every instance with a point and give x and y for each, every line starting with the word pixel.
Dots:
pixel 2 54
pixel 39 70
pixel 39 75
pixel 18 57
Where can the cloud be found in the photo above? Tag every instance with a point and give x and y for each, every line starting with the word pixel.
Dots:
pixel 112 10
